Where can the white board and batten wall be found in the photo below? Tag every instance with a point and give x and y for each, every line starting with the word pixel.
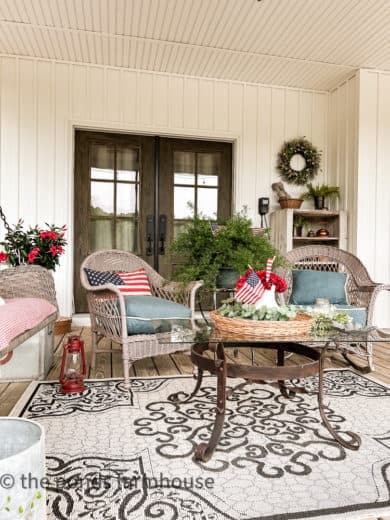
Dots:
pixel 359 161
pixel 343 148
pixel 42 101
pixel 373 182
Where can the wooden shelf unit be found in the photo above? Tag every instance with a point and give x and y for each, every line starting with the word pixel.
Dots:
pixel 315 239
pixel 282 229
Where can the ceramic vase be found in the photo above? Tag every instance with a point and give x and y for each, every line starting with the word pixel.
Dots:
pixel 267 299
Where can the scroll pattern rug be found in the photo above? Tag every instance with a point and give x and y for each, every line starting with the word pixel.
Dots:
pixel 116 454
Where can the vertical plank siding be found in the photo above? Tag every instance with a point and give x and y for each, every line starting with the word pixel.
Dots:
pixel 41 101
pixel 343 148
pixel 373 182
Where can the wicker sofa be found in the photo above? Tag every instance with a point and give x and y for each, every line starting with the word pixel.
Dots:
pixel 27 282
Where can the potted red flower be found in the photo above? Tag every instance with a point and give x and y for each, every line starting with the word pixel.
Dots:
pixel 34 245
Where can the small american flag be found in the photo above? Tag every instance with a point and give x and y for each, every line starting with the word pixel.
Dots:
pixel 257 230
pixel 214 229
pixel 252 290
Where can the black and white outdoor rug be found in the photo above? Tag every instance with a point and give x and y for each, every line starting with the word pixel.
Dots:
pixel 129 454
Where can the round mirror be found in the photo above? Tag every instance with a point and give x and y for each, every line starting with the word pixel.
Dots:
pixel 297 162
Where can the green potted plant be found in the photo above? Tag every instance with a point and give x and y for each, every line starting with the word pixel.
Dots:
pixel 220 257
pixel 320 193
pixel 299 223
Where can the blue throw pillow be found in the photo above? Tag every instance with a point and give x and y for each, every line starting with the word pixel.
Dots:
pixel 309 285
pixel 142 309
pixel 359 314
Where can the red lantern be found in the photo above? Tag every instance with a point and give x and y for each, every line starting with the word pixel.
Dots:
pixel 73 366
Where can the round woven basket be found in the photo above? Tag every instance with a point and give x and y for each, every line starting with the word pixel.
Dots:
pixel 290 203
pixel 300 325
pixel 62 325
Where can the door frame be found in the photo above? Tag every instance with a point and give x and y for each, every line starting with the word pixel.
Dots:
pixel 180 133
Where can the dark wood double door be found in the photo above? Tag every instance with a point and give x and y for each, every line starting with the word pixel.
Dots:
pixel 135 193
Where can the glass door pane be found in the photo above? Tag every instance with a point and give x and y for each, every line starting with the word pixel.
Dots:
pixel 102 162
pixel 101 235
pixel 195 192
pixel 102 199
pixel 102 188
pixel 114 202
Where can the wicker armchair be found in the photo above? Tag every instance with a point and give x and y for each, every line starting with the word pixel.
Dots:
pixel 27 281
pixel 109 320
pixel 361 290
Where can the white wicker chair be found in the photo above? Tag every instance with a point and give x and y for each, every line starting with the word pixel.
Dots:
pixel 361 290
pixel 109 320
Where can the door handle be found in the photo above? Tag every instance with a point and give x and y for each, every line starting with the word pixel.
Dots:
pixel 149 235
pixel 162 231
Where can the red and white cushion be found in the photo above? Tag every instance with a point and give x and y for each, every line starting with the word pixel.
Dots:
pixel 18 315
pixel 135 283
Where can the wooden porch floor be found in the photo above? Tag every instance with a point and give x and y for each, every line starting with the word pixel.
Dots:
pixel 109 365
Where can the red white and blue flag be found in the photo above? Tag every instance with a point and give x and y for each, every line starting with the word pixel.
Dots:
pixel 215 229
pixel 257 230
pixel 252 290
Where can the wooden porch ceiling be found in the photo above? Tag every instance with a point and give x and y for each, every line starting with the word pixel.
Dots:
pixel 311 44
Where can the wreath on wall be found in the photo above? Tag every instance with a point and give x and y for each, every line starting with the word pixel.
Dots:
pixel 310 154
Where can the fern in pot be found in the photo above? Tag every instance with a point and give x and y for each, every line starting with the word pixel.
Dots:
pixel 321 193
pixel 207 254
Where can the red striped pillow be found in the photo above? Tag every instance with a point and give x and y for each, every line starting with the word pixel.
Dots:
pixel 135 283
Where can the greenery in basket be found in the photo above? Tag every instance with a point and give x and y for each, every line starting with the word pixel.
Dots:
pixel 205 252
pixel 231 308
pixel 321 190
pixel 324 323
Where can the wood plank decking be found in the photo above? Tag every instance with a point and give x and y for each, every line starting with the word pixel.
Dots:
pixel 110 365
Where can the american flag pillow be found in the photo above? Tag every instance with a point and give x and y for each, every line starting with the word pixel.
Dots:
pixel 135 283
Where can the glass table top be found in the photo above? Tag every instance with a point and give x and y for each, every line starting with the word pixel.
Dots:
pixel 202 331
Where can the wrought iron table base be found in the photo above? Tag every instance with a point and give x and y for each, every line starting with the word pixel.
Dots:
pixel 278 374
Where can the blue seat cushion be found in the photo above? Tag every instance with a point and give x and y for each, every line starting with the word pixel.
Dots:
pixel 308 285
pixel 359 314
pixel 142 309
